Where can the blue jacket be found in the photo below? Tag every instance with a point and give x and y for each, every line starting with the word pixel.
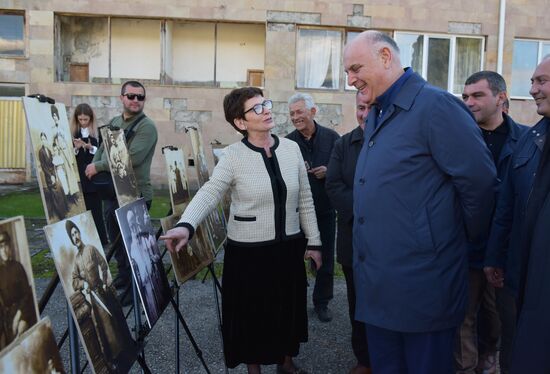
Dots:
pixel 504 246
pixel 424 181
pixel 476 251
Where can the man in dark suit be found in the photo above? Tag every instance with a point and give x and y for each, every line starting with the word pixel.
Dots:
pixel 339 187
pixel 424 185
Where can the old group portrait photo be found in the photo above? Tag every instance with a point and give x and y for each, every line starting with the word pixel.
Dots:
pixel 124 179
pixel 54 157
pixel 196 255
pixel 36 352
pixel 178 185
pixel 87 282
pixel 145 259
pixel 18 308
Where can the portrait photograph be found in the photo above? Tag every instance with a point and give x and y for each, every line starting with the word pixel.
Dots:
pixel 55 161
pixel 86 279
pixel 120 164
pixel 18 308
pixel 35 352
pixel 196 255
pixel 215 223
pixel 218 150
pixel 145 260
pixel 178 185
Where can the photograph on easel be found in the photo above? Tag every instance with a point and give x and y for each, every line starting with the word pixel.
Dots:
pixel 35 352
pixel 178 185
pixel 55 162
pixel 196 255
pixel 86 279
pixel 145 260
pixel 215 222
pixel 218 150
pixel 18 308
pixel 124 179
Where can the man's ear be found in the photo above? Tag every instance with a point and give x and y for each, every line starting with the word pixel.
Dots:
pixel 313 111
pixel 386 56
pixel 502 96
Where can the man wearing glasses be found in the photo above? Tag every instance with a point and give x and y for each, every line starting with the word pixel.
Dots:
pixel 141 139
pixel 316 144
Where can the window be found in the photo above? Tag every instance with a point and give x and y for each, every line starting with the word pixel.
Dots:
pixel 12 42
pixel 446 61
pixel 12 90
pixel 318 59
pixel 527 55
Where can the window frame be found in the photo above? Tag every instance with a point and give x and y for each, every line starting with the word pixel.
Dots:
pixel 540 43
pixel 25 33
pixel 452 53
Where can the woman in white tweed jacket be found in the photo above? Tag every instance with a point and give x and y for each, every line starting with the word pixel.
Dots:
pixel 272 221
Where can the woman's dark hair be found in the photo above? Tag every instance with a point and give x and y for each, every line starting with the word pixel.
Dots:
pixel 233 104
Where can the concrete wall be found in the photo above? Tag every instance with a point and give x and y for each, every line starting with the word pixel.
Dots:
pixel 251 34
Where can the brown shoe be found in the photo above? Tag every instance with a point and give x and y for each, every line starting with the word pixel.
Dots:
pixel 360 369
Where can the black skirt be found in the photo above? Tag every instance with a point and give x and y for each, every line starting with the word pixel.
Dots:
pixel 264 302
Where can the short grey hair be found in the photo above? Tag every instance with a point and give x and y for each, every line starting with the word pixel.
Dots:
pixel 306 98
pixel 376 37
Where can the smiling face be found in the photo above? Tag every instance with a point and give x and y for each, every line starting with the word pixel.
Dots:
pixel 365 65
pixel 484 105
pixel 301 116
pixel 540 87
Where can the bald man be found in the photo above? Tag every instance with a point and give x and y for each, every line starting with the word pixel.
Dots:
pixel 423 187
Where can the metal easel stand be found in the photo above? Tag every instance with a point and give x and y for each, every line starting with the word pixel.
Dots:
pixel 188 332
pixel 217 287
pixel 73 340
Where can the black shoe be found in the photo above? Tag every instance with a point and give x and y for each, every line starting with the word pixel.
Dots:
pixel 121 282
pixel 323 313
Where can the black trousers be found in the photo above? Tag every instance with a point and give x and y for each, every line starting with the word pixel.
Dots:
pixel 324 281
pixel 358 333
pixel 93 204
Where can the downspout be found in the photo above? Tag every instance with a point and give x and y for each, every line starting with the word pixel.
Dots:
pixel 501 24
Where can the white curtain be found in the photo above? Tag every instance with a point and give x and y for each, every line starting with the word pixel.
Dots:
pixel 317 50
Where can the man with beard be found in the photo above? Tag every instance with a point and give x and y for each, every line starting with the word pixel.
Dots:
pixel 90 277
pixel 141 138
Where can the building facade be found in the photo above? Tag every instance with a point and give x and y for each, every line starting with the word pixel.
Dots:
pixel 190 53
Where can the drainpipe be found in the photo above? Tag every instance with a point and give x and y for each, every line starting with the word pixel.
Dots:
pixel 501 24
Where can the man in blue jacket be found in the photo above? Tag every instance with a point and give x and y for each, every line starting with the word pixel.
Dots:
pixel 518 255
pixel 424 186
pixel 485 94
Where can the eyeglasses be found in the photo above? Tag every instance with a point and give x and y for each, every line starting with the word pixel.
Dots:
pixel 259 108
pixel 131 96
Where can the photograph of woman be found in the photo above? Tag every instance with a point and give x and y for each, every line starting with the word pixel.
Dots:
pixel 272 228
pixel 85 143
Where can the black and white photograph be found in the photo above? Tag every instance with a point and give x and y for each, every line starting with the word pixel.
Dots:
pixel 35 352
pixel 178 185
pixel 18 309
pixel 218 151
pixel 87 282
pixel 120 164
pixel 147 267
pixel 215 222
pixel 55 161
pixel 196 255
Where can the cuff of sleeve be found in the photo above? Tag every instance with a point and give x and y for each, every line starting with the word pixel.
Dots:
pixel 189 227
pixel 313 248
pixel 99 166
pixel 93 150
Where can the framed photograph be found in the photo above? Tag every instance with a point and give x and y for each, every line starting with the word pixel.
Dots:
pixel 35 352
pixel 87 282
pixel 145 260
pixel 194 257
pixel 18 308
pixel 177 178
pixel 55 162
pixel 120 164
pixel 215 223
pixel 218 150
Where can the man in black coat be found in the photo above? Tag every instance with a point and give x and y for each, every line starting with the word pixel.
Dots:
pixel 339 187
pixel 316 144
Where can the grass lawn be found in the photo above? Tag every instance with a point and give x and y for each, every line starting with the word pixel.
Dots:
pixel 29 204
